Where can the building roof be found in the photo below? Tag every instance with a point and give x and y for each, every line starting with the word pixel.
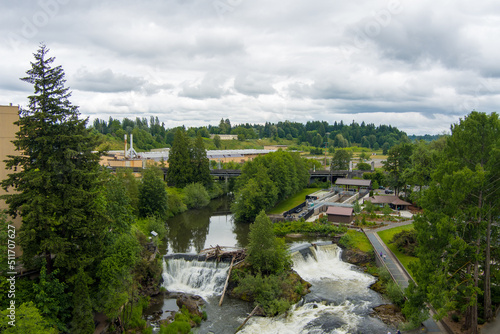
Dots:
pixel 387 200
pixel 339 211
pixel 211 154
pixel 353 182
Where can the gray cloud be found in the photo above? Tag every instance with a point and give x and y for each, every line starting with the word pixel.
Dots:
pixel 253 84
pixel 399 62
pixel 106 81
pixel 210 87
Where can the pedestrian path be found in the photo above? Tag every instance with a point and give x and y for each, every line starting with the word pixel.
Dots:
pixel 399 274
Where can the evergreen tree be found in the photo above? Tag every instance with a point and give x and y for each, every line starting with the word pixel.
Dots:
pixel 56 175
pixel 200 163
pixel 266 253
pixel 179 161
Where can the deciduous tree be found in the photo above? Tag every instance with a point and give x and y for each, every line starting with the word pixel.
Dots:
pixel 340 160
pixel 152 194
pixel 453 233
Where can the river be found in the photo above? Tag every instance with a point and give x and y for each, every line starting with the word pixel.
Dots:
pixel 340 300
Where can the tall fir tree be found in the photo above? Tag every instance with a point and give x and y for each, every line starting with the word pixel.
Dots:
pixel 56 176
pixel 200 163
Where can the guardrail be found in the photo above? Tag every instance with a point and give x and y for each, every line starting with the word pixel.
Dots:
pixel 377 255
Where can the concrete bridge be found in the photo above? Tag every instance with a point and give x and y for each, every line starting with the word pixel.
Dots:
pixel 325 174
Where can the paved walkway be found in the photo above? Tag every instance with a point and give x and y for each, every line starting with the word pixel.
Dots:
pixel 492 327
pixel 395 269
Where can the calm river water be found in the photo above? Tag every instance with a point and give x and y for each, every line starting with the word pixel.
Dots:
pixel 195 230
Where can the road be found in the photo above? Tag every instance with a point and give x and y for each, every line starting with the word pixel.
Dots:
pixel 396 270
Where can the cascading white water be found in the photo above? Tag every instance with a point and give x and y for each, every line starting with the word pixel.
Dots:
pixel 340 300
pixel 204 279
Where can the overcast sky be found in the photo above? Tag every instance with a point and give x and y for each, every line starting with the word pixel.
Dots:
pixel 417 65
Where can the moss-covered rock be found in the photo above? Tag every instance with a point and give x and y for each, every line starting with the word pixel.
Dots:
pixel 356 256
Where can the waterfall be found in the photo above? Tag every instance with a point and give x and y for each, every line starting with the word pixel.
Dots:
pixel 195 277
pixel 340 300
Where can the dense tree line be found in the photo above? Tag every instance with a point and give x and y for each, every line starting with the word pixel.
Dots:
pixel 266 180
pixel 153 134
pixel 455 180
pixel 458 233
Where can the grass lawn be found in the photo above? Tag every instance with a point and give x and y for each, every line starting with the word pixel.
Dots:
pixel 359 240
pixel 387 235
pixel 292 201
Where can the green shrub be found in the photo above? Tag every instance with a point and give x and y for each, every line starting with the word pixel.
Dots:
pixel 346 241
pixel 265 291
pixel 175 201
pixel 321 185
pixel 369 207
pixel 136 320
pixel 386 210
pixel 394 293
pixel 148 330
pixel 181 323
pixel 196 196
pixel 148 224
pixel 384 275
pixel 318 227
pixel 216 190
pixel 176 327
pixel 406 241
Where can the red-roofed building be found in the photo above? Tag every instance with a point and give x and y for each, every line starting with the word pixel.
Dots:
pixel 339 214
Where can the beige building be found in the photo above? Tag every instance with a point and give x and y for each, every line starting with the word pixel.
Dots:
pixel 225 137
pixel 8 115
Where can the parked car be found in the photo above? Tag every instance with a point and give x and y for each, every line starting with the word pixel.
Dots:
pixel 389 191
pixel 381 187
pixel 298 210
